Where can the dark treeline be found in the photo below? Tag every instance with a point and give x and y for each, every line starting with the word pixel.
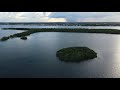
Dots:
pixel 33 30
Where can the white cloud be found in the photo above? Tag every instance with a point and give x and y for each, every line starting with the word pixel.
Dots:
pixel 56 20
pixel 60 17
pixel 27 17
pixel 88 16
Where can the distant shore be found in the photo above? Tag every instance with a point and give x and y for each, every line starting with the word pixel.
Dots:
pixel 63 23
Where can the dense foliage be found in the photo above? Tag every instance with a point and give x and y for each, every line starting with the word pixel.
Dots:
pixel 75 54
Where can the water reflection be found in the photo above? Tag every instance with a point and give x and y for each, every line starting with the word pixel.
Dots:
pixel 4 33
pixel 36 57
pixel 115 58
pixel 37 26
pixel 67 61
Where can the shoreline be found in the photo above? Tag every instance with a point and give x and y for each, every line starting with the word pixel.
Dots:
pixel 80 30
pixel 29 31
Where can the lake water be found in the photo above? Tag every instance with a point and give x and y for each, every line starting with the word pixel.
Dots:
pixel 38 26
pixel 36 56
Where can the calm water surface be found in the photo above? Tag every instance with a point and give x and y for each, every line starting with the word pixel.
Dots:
pixel 36 57
pixel 37 26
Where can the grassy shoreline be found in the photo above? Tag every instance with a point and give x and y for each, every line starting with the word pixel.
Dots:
pixel 29 31
pixel 106 31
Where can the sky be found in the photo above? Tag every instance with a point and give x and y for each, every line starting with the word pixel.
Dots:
pixel 59 16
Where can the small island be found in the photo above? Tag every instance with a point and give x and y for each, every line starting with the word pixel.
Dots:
pixel 75 54
pixel 4 38
pixel 23 38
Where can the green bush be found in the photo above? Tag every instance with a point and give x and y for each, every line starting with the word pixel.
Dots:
pixel 4 38
pixel 23 38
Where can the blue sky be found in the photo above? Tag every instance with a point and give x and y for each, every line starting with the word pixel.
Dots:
pixel 60 17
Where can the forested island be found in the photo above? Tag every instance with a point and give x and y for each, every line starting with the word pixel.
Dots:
pixel 75 54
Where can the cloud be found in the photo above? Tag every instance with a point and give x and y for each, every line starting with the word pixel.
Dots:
pixel 60 17
pixel 56 20
pixel 27 17
pixel 87 16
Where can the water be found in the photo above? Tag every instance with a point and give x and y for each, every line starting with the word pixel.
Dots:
pixel 8 32
pixel 39 26
pixel 36 56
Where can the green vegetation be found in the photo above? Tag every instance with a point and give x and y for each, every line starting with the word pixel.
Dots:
pixel 75 54
pixel 23 38
pixel 4 38
pixel 26 33
pixel 33 30
pixel 29 31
